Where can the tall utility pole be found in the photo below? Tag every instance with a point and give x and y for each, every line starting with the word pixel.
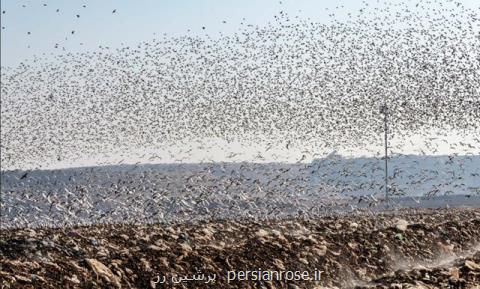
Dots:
pixel 385 120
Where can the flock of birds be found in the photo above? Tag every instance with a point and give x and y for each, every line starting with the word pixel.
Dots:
pixel 186 192
pixel 293 83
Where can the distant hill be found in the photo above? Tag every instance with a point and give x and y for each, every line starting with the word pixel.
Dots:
pixel 408 175
pixel 160 192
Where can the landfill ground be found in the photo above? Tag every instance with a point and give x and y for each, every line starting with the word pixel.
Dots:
pixel 425 248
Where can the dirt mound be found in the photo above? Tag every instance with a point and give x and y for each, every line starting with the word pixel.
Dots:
pixel 361 250
pixel 462 273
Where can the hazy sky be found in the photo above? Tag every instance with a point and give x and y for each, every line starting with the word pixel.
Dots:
pixel 136 21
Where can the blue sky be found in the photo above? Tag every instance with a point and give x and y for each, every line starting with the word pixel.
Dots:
pixel 136 21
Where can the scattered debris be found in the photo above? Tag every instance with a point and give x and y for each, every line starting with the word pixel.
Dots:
pixel 372 254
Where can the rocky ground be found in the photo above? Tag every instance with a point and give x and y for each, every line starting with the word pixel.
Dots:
pixel 403 249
